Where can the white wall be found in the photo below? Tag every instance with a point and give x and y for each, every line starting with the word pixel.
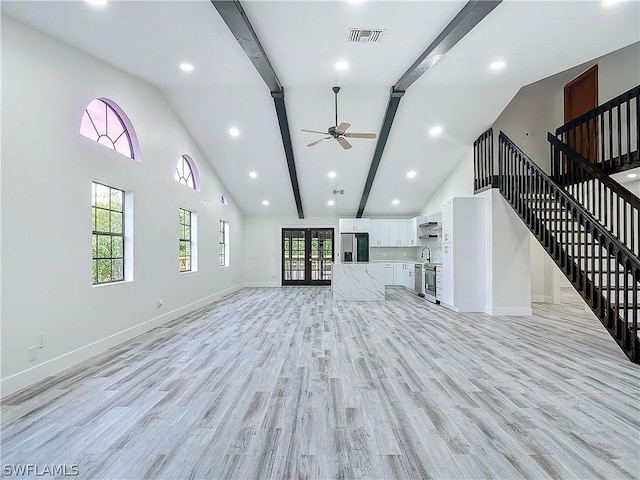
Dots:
pixel 47 169
pixel 538 109
pixel 263 246
pixel 507 252
pixel 458 184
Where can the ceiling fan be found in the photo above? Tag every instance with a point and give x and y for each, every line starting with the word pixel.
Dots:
pixel 339 132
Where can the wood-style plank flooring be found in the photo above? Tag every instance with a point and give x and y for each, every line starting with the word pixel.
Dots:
pixel 284 383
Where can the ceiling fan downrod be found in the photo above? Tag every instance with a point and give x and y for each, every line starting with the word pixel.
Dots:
pixel 335 91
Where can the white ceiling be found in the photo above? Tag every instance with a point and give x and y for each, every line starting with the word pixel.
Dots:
pixel 303 40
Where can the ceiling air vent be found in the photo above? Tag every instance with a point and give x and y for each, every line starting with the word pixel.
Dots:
pixel 361 35
pixel 338 192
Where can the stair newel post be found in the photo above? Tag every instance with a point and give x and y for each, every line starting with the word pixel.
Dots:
pixel 636 312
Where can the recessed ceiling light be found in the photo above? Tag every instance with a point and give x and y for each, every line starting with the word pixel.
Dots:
pixel 186 67
pixel 609 3
pixel 234 132
pixel 265 202
pixel 632 175
pixel 396 202
pixel 332 174
pixel 497 66
pixel 435 131
pixel 341 65
pixel 253 174
pixel 411 174
pixel 98 3
pixel 331 202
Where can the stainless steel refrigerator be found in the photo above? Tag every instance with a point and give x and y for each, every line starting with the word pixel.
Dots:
pixel 354 247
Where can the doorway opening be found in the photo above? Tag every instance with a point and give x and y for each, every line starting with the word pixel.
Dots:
pixel 307 256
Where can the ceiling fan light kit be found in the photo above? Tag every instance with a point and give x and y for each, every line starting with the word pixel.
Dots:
pixel 339 132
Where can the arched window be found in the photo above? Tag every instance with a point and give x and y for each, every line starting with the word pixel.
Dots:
pixel 186 172
pixel 104 122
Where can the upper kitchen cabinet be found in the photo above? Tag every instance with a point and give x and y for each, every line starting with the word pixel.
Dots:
pixel 379 232
pixel 411 236
pixel 394 232
pixel 447 221
pixel 349 225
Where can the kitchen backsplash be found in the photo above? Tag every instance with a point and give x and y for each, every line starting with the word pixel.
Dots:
pixel 410 254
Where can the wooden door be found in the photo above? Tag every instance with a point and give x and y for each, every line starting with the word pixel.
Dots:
pixel 581 96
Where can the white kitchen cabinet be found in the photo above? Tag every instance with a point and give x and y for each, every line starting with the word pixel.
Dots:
pixel 388 274
pixel 383 232
pixel 463 254
pixel 394 232
pixel 447 285
pixel 409 276
pixel 403 240
pixel 347 225
pixel 398 273
pixel 447 221
pixel 374 233
pixel 403 275
pixel 411 229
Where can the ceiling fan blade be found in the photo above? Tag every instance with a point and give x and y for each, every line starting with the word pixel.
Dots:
pixel 313 131
pixel 360 135
pixel 318 141
pixel 343 127
pixel 346 145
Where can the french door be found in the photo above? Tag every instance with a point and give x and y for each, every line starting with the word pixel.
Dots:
pixel 307 256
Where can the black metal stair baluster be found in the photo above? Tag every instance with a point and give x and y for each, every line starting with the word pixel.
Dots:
pixel 629 130
pixel 625 312
pixel 619 138
pixel 611 139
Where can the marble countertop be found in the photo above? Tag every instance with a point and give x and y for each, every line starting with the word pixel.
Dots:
pixel 396 261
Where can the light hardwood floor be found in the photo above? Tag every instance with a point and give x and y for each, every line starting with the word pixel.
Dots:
pixel 285 383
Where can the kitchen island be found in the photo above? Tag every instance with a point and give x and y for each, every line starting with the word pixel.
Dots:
pixel 358 281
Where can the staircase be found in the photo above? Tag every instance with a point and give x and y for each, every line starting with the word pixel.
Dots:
pixel 587 222
pixel 608 135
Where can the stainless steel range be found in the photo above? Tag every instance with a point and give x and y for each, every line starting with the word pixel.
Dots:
pixel 430 272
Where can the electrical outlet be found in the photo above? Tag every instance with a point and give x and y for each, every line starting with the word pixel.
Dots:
pixel 32 352
pixel 40 340
pixel 159 304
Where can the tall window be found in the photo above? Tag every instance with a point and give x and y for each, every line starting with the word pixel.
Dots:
pixel 107 208
pixel 185 240
pixel 186 172
pixel 223 252
pixel 104 122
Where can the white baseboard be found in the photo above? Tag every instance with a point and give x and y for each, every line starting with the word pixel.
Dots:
pixel 262 284
pixel 511 311
pixel 26 378
pixel 450 307
pixel 541 299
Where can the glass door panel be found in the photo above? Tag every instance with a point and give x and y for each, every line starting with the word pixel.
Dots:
pixel 307 256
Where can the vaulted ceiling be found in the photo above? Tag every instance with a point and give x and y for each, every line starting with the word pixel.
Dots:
pixel 303 40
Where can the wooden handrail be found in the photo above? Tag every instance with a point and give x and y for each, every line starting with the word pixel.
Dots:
pixel 600 109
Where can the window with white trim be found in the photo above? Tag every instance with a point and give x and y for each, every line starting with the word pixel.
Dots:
pixel 104 122
pixel 223 248
pixel 187 173
pixel 108 229
pixel 185 240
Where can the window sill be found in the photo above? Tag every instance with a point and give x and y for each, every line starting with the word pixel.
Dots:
pixel 120 282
